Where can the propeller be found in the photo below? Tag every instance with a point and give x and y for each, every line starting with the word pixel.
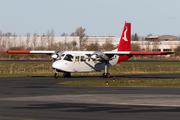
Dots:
pixel 54 56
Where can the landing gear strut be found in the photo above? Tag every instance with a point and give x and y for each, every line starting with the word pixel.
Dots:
pixel 106 74
pixel 66 74
pixel 56 74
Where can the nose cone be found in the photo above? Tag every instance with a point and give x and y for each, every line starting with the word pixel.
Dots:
pixel 56 65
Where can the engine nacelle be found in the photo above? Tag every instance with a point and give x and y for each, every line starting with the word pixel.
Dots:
pixel 97 54
pixel 93 56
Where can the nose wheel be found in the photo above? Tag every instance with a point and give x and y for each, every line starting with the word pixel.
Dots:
pixel 56 75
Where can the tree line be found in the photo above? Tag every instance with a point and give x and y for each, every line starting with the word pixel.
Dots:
pixel 47 43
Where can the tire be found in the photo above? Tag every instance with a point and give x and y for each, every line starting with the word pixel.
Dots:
pixel 69 74
pixel 106 75
pixel 103 75
pixel 64 74
pixel 56 75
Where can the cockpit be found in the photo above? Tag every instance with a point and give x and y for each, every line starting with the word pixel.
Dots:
pixel 67 57
pixel 72 57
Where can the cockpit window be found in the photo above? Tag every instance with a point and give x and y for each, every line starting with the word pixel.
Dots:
pixel 68 57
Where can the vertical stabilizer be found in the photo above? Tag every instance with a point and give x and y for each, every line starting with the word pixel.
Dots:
pixel 125 40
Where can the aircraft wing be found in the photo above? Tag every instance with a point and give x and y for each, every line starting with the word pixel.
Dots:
pixel 135 53
pixel 28 52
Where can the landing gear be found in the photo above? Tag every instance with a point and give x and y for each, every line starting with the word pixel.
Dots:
pixel 56 75
pixel 66 74
pixel 106 75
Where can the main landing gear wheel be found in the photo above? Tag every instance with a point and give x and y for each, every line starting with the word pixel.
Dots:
pixel 106 75
pixel 56 75
pixel 66 74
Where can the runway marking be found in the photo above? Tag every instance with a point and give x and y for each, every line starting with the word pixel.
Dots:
pixel 117 99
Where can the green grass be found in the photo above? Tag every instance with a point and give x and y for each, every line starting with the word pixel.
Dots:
pixel 28 69
pixel 147 82
pixel 25 69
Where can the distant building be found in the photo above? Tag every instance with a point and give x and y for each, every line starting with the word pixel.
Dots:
pixel 162 46
pixel 161 38
pixel 102 40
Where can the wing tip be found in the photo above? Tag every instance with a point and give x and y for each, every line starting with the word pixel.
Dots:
pixel 5 51
pixel 15 51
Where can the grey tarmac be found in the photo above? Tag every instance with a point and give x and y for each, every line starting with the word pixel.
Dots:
pixel 39 98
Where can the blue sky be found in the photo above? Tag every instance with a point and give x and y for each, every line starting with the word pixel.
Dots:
pixel 99 17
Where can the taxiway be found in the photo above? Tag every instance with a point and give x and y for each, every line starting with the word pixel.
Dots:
pixel 39 98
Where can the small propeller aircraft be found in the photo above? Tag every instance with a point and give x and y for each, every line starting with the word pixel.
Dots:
pixel 91 61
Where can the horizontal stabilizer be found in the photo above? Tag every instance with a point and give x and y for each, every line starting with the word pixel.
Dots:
pixel 151 53
pixel 136 53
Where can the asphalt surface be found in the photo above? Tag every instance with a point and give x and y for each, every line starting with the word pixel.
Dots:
pixel 39 98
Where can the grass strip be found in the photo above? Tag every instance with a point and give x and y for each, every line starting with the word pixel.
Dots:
pixel 18 69
pixel 142 82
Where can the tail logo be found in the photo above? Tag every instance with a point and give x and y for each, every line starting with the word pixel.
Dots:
pixel 125 38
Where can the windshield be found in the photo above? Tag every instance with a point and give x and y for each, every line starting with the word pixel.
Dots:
pixel 68 57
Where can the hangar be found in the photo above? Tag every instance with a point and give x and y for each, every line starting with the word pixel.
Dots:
pixel 160 38
pixel 158 43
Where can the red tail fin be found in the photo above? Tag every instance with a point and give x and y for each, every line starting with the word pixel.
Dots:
pixel 125 41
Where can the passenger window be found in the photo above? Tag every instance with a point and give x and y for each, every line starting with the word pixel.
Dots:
pixel 68 57
pixel 77 59
pixel 82 58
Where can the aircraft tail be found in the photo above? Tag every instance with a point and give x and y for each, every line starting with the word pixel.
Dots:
pixel 125 40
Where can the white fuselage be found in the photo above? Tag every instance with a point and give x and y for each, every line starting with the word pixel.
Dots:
pixel 80 62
